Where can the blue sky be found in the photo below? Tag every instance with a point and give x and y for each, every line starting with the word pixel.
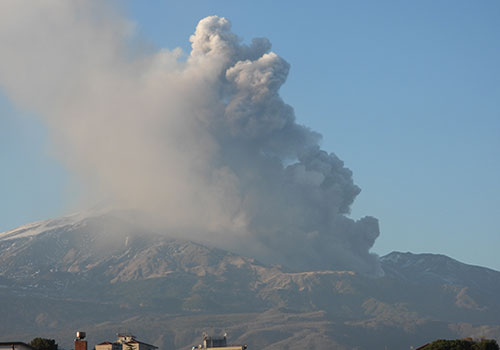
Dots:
pixel 406 93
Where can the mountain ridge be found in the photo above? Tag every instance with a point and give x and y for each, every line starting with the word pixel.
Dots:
pixel 110 272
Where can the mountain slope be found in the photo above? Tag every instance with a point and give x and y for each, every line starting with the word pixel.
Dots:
pixel 101 273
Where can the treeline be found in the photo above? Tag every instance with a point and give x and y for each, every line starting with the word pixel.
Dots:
pixel 43 344
pixel 461 344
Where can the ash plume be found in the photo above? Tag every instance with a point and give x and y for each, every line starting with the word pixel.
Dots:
pixel 204 145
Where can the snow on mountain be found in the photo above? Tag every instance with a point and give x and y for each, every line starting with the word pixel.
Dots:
pixel 35 228
pixel 116 268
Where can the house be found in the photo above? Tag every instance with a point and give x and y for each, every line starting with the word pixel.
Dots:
pixel 422 347
pixel 125 342
pixel 217 343
pixel 15 346
pixel 108 346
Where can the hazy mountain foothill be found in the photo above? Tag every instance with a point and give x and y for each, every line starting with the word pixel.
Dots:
pixel 97 274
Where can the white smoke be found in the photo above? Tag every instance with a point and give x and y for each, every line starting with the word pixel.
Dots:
pixel 205 146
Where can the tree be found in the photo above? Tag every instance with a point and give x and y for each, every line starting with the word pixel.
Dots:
pixel 45 344
pixel 486 344
pixel 443 344
pixel 462 344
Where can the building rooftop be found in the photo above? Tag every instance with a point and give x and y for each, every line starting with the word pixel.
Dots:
pixel 16 343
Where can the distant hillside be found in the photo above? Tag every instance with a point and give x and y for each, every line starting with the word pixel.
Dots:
pixel 101 274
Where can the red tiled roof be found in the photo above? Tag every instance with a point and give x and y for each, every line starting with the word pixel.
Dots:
pixel 422 347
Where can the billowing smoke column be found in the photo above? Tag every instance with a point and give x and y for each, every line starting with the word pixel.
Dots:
pixel 204 145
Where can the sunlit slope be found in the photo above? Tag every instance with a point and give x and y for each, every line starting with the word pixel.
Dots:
pixel 102 273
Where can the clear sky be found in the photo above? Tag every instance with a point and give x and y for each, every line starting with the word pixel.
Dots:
pixel 406 93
